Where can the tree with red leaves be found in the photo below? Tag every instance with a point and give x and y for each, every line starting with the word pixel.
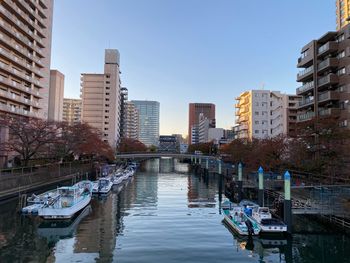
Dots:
pixel 28 137
pixel 128 145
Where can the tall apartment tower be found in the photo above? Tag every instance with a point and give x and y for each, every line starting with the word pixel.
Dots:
pixel 342 12
pixel 325 77
pixel 131 124
pixel 56 95
pixel 263 114
pixel 123 113
pixel 72 110
pixel 25 54
pixel 100 95
pixel 148 121
pixel 195 109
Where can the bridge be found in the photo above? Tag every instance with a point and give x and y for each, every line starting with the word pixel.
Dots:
pixel 160 155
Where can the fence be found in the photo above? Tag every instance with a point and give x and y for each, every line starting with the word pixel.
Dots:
pixel 17 178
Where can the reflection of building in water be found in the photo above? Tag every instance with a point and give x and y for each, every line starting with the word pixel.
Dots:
pixel 166 165
pixel 180 167
pixel 151 166
pixel 98 234
pixel 201 193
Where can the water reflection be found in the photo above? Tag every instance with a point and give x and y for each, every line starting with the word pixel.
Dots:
pixel 163 215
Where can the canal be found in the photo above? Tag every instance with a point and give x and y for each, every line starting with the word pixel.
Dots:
pixel 164 214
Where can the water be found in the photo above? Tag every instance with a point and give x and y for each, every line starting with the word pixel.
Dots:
pixel 162 215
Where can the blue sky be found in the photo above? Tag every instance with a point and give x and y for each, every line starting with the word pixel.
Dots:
pixel 182 51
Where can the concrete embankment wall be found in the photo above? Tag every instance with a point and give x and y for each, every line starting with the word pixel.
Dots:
pixel 17 181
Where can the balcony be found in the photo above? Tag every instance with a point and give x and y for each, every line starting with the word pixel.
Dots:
pixel 306 87
pixel 327 48
pixel 328 95
pixel 328 80
pixel 305 61
pixel 19 87
pixel 243 118
pixel 306 102
pixel 16 98
pixel 243 127
pixel 329 112
pixel 29 10
pixel 20 62
pixel 22 27
pixel 14 110
pixel 327 64
pixel 306 116
pixel 305 74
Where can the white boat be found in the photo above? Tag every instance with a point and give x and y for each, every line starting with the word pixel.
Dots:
pixel 263 217
pixel 268 224
pixel 102 186
pixel 238 221
pixel 71 200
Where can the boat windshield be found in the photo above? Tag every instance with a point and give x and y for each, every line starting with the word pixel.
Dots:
pixel 264 210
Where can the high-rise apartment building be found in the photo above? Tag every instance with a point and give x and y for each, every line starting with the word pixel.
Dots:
pixel 325 77
pixel 148 121
pixel 123 113
pixel 263 114
pixel 72 111
pixel 208 110
pixel 56 95
pixel 25 54
pixel 203 128
pixel 131 124
pixel 343 13
pixel 100 95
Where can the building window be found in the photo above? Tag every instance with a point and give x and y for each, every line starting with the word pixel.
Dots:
pixel 107 94
pixel 106 105
pixel 340 38
pixel 343 123
pixel 106 129
pixel 108 76
pixel 256 113
pixel 107 99
pixel 256 131
pixel 106 117
pixel 107 88
pixel 341 71
pixel 107 82
pixel 106 111
pixel 341 54
pixel 256 122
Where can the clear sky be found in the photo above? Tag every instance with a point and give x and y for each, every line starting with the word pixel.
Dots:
pixel 182 51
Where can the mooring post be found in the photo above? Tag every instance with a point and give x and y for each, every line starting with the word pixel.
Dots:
pixel 240 181
pixel 219 167
pixel 207 164
pixel 195 160
pixel 261 187
pixel 191 159
pixel 287 202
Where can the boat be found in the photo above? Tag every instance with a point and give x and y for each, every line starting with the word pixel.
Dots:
pixel 37 201
pixel 102 186
pixel 263 217
pixel 71 200
pixel 238 221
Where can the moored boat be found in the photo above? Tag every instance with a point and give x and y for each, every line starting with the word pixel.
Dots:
pixel 238 221
pixel 71 200
pixel 263 217
pixel 102 186
pixel 37 201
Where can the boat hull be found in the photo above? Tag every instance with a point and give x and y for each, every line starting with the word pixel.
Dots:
pixel 235 226
pixel 66 212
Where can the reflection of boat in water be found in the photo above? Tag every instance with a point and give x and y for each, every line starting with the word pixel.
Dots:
pixel 260 246
pixel 54 230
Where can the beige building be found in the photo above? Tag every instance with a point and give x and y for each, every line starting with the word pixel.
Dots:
pixel 72 110
pixel 25 54
pixel 100 95
pixel 342 12
pixel 131 124
pixel 56 95
pixel 263 114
